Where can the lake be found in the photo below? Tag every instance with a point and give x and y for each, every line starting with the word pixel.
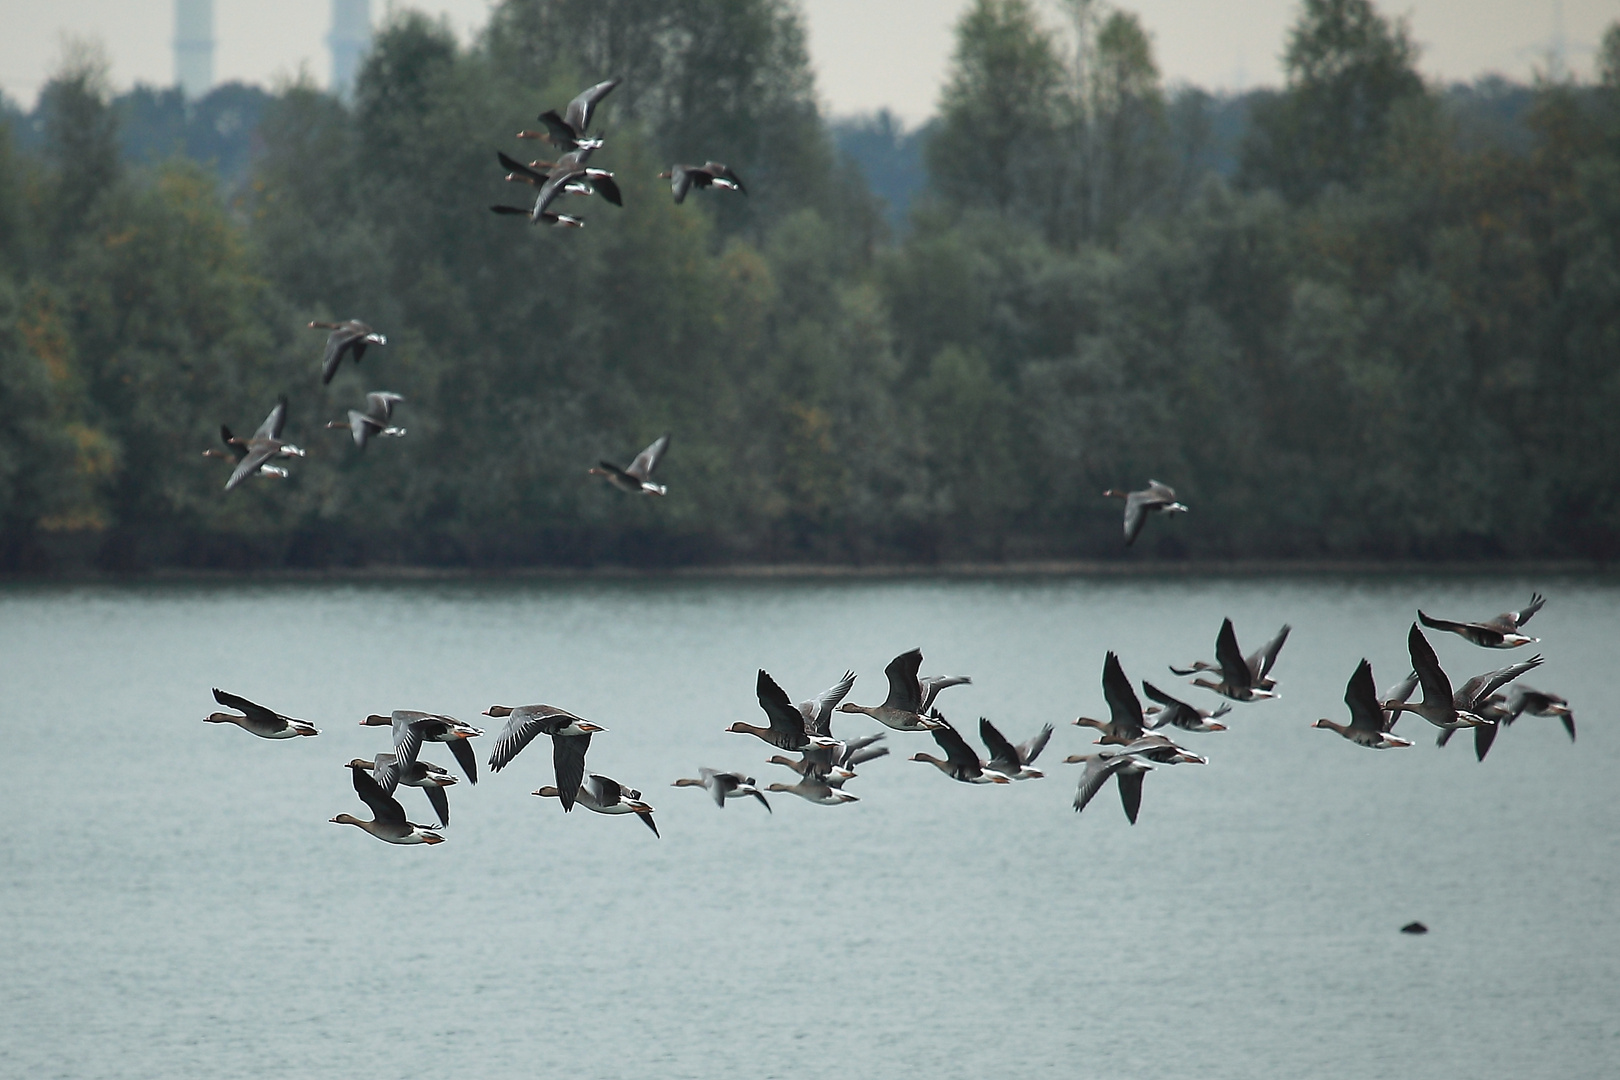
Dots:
pixel 175 902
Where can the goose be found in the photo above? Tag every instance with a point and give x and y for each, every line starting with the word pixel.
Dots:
pixel 1237 679
pixel 265 444
pixel 570 739
pixel 388 817
pixel 412 729
pixel 605 795
pixel 1501 632
pixel 906 707
pixel 432 779
pixel 960 762
pixel 1124 724
pixel 1174 712
pixel 567 173
pixel 1479 696
pixel 1369 723
pixel 1438 706
pixel 1155 748
pixel 1259 662
pixel 1013 762
pixel 837 764
pixel 637 479
pixel 789 729
pixel 256 719
pixel 683 178
pixel 819 792
pixel 1539 703
pixel 545 217
pixel 1155 498
pixel 1127 771
pixel 374 421
pixel 724 785
pixel 567 132
pixel 350 336
pixel 238 450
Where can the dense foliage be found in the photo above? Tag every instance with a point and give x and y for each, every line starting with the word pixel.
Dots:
pixel 1347 320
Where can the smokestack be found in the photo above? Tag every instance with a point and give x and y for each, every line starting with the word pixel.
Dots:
pixel 194 46
pixel 349 40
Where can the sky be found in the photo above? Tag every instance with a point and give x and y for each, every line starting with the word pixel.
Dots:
pixel 868 54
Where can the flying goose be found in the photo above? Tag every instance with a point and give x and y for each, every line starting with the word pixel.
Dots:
pixel 605 795
pixel 683 178
pixel 637 479
pixel 1238 680
pixel 1539 703
pixel 570 739
pixel 1128 765
pixel 567 132
pixel 837 764
pixel 1174 712
pixel 1501 632
pixel 906 707
pixel 1124 724
pixel 432 779
pixel 1369 723
pixel 1013 762
pixel 1438 706
pixel 374 421
pixel 1155 498
pixel 1259 662
pixel 388 817
pixel 789 728
pixel 545 217
pixel 1479 696
pixel 350 336
pixel 265 444
pixel 412 728
pixel 820 792
pixel 238 450
pixel 724 785
pixel 568 173
pixel 960 762
pixel 256 719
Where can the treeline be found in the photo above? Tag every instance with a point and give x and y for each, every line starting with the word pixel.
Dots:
pixel 1364 327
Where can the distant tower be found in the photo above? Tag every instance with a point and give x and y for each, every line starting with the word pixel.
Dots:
pixel 349 40
pixel 194 46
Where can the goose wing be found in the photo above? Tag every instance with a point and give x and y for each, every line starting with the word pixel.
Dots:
pixel 1476 690
pixel 1234 669
pixel 1159 494
pixel 522 726
pixel 725 172
pixel 1176 712
pixel 462 751
pixel 905 693
pixel 1524 616
pixel 1124 708
pixel 273 423
pixel 818 713
pixel 1490 634
pixel 1261 660
pixel 1436 686
pixel 1362 697
pixel 385 770
pixel 1098 769
pixel 1030 750
pixel 932 685
pixel 1004 756
pixel 559 132
pixel 267 718
pixel 583 107
pixel 680 182
pixel 408 731
pixel 384 807
pixel 440 802
pixel 957 751
pixel 380 405
pixel 1129 780
pixel 605 790
pixel 517 168
pixel 568 759
pixel 648 459
pixel 361 426
pixel 607 187
pixel 720 784
pixel 559 178
pixel 1136 504
pixel 339 341
pixel 259 451
pixel 786 720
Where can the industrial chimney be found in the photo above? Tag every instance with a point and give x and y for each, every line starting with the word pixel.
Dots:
pixel 194 46
pixel 349 40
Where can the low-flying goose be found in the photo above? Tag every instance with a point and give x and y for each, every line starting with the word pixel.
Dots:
pixel 1369 723
pixel 374 421
pixel 1438 706
pixel 683 178
pixel 1173 712
pixel 1237 678
pixel 236 449
pixel 820 792
pixel 1501 632
pixel 567 132
pixel 570 739
pixel 412 728
pixel 724 785
pixel 350 336
pixel 1128 765
pixel 605 795
pixel 1539 703
pixel 906 708
pixel 960 762
pixel 265 444
pixel 637 479
pixel 1124 723
pixel 388 817
pixel 432 779
pixel 263 722
pixel 1155 498
pixel 1011 761
pixel 789 729
pixel 1479 696
pixel 1260 662
pixel 568 173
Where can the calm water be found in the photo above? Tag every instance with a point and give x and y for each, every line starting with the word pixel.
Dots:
pixel 174 902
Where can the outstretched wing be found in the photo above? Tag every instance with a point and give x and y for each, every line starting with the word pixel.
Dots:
pixel 904 691
pixel 786 720
pixel 1362 697
pixel 1476 690
pixel 257 455
pixel 518 168
pixel 384 808
pixel 1519 618
pixel 1001 751
pixel 648 459
pixel 271 428
pixel 957 751
pixel 1261 660
pixel 818 713
pixel 1030 750
pixel 932 685
pixel 568 759
pixel 252 709
pixel 608 188
pixel 1124 708
pixel 583 107
pixel 1234 669
pixel 680 182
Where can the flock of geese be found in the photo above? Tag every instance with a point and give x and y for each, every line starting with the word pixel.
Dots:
pixel 1129 744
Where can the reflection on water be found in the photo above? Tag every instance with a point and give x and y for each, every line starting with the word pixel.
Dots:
pixel 177 904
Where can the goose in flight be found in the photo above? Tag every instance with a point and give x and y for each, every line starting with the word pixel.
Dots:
pixel 1259 662
pixel 236 450
pixel 820 792
pixel 256 719
pixel 1173 712
pixel 1013 762
pixel 1124 723
pixel 724 785
pixel 374 421
pixel 960 762
pixel 388 817
pixel 1501 632
pixel 432 779
pixel 412 728
pixel 1155 498
pixel 1128 765
pixel 1439 706
pixel 567 132
pixel 683 178
pixel 906 707
pixel 1238 680
pixel 570 739
pixel 1479 696
pixel 350 336
pixel 637 479
pixel 605 795
pixel 1369 723
pixel 789 730
pixel 265 444
pixel 1539 703
pixel 568 173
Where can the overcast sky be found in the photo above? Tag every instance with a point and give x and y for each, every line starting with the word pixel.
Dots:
pixel 868 53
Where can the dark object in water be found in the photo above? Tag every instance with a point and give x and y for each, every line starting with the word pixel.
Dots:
pixel 1414 928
